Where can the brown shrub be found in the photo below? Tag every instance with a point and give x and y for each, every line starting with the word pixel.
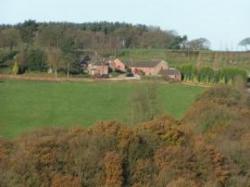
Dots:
pixel 157 153
pixel 224 115
pixel 113 169
pixel 182 182
pixel 65 181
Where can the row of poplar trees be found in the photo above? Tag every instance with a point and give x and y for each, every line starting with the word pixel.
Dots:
pixel 209 75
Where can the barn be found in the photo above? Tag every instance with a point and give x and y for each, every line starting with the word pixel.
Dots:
pixel 152 67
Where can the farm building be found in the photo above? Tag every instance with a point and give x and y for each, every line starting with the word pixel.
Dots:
pixel 148 67
pixel 171 74
pixel 96 69
pixel 117 65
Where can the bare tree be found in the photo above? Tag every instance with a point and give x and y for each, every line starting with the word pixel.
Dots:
pixel 54 58
pixel 198 44
pixel 245 43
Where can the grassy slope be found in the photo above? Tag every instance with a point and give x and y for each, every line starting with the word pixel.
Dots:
pixel 29 104
pixel 222 59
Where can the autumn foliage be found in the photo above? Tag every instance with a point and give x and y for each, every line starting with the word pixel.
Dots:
pixel 108 154
pixel 162 152
pixel 222 117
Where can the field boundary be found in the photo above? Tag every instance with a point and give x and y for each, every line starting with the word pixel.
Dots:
pixel 63 79
pixel 204 85
pixel 36 78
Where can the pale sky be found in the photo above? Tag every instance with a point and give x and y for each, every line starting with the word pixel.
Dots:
pixel 223 22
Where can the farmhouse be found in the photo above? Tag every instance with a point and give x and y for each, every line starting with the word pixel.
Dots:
pixel 98 69
pixel 148 67
pixel 117 65
pixel 171 74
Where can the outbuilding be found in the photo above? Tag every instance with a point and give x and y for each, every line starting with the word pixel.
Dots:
pixel 152 67
pixel 171 74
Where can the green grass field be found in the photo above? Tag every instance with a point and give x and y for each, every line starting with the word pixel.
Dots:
pixel 26 105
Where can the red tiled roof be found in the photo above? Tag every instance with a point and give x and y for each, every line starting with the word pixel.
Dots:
pixel 169 72
pixel 151 63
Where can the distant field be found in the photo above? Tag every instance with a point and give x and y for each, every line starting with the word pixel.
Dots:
pixel 217 59
pixel 26 105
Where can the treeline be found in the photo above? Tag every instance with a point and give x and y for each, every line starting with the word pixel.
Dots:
pixel 44 60
pixel 209 75
pixel 94 35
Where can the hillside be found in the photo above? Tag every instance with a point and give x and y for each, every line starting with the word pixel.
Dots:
pixel 161 152
pixel 222 117
pixel 157 153
pixel 66 48
pixel 61 46
pixel 176 58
